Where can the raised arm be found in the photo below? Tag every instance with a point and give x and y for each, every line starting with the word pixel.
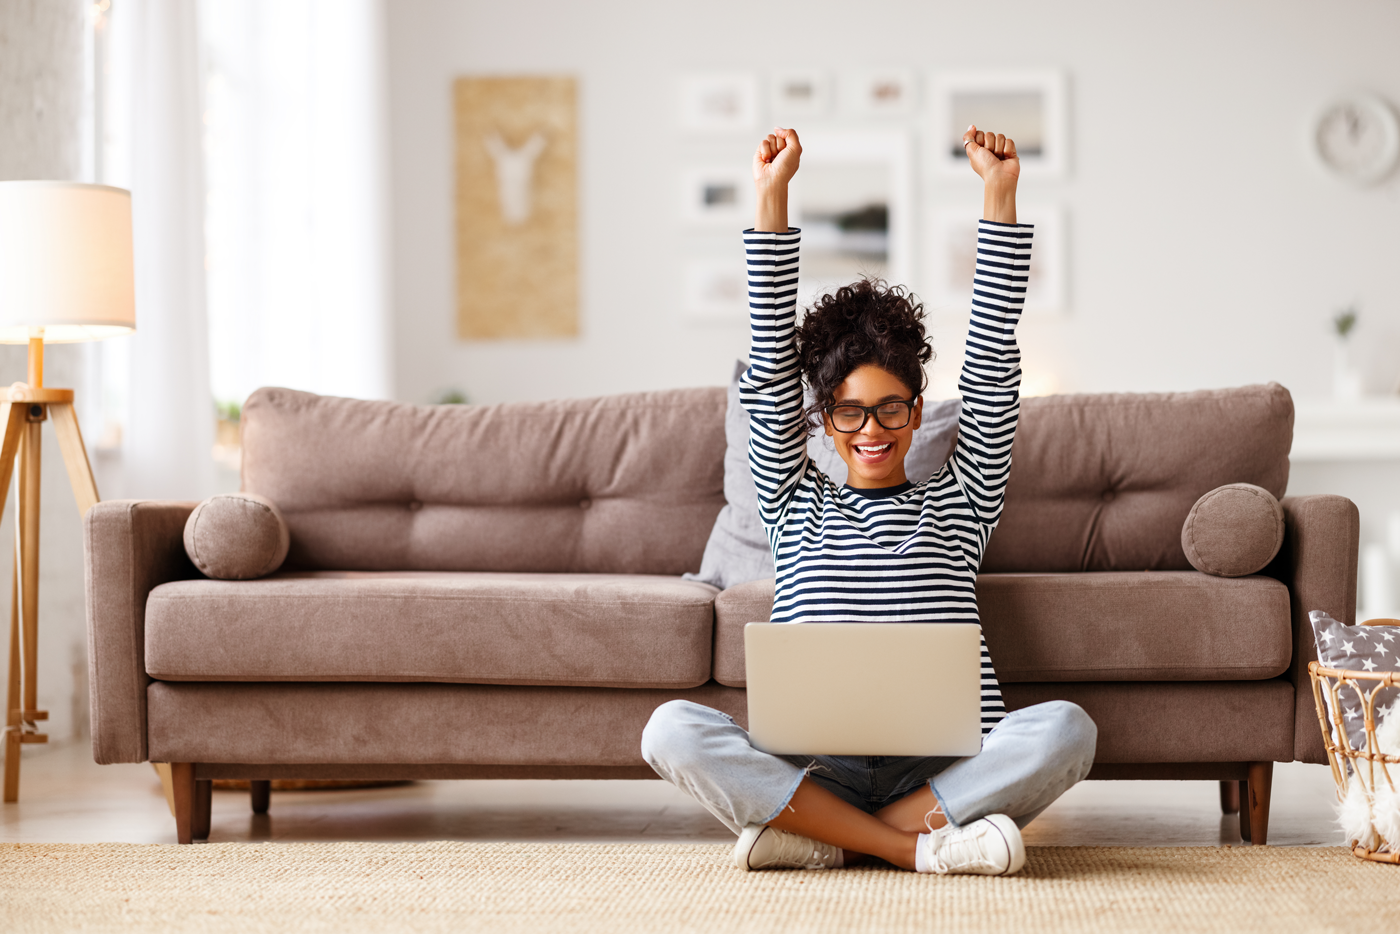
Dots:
pixel 991 375
pixel 774 164
pixel 771 389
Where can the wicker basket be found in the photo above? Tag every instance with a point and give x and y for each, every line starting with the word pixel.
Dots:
pixel 1370 765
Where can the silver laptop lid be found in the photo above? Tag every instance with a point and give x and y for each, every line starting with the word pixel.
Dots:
pixel 865 689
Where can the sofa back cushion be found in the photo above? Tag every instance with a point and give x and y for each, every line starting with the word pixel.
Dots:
pixel 622 484
pixel 631 484
pixel 1104 482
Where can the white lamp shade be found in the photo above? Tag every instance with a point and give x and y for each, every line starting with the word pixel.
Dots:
pixel 65 262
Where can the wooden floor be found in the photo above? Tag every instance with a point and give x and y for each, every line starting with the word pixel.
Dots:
pixel 66 798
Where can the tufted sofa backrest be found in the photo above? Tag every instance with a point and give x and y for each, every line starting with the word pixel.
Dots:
pixel 632 483
pixel 621 484
pixel 1104 482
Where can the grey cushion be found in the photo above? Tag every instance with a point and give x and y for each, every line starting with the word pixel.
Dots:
pixel 236 536
pixel 1358 648
pixel 599 630
pixel 1233 530
pixel 737 551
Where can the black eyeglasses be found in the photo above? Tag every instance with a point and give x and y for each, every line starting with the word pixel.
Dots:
pixel 849 419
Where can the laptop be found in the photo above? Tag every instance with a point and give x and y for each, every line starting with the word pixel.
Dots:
pixel 865 689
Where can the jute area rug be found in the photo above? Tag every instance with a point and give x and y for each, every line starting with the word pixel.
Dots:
pixel 470 887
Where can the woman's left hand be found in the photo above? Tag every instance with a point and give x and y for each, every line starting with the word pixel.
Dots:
pixel 993 156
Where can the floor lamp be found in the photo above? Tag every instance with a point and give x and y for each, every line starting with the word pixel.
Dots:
pixel 65 275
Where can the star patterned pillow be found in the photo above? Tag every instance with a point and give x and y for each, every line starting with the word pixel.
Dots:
pixel 1358 648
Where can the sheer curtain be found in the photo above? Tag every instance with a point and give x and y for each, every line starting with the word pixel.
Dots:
pixel 156 382
pixel 295 148
pixel 251 135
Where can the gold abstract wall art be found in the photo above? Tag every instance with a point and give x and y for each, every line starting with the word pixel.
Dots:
pixel 517 207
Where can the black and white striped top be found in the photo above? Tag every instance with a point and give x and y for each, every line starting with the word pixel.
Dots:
pixel 912 557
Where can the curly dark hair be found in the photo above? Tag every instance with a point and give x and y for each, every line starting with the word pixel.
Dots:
pixel 868 321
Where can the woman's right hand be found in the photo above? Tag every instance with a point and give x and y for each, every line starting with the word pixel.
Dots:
pixel 774 164
pixel 775 160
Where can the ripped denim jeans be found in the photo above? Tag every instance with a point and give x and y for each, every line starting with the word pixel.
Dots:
pixel 1027 761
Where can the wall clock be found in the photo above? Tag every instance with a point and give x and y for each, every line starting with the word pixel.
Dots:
pixel 1358 138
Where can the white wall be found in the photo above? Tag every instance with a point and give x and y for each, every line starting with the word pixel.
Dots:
pixel 1206 248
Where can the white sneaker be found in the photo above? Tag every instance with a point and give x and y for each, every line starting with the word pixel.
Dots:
pixel 988 847
pixel 762 847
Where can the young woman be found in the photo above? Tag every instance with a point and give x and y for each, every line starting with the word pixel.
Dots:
pixel 878 549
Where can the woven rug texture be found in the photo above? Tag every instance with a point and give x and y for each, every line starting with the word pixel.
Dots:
pixel 565 888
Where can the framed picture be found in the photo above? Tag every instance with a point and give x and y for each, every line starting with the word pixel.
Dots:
pixel 799 93
pixel 517 207
pixel 1029 107
pixel 853 201
pixel 952 259
pixel 718 103
pixel 715 289
pixel 889 92
pixel 720 196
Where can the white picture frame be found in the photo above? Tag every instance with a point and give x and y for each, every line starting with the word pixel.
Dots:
pixel 799 94
pixel 714 289
pixel 717 196
pixel 718 102
pixel 880 92
pixel 952 253
pixel 1029 106
pixel 842 173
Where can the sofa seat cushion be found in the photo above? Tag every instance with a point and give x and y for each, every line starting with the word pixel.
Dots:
pixel 1106 626
pixel 631 631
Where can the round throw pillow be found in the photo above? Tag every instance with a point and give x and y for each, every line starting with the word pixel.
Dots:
pixel 236 536
pixel 1233 530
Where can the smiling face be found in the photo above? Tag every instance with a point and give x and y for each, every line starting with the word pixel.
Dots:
pixel 874 455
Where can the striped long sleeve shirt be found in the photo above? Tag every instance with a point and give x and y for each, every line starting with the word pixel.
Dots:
pixel 914 556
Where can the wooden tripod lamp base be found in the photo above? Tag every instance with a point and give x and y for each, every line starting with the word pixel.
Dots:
pixel 24 408
pixel 66 274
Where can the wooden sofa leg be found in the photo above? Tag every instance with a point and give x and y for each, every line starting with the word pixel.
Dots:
pixel 1229 797
pixel 1255 804
pixel 203 808
pixel 261 793
pixel 182 784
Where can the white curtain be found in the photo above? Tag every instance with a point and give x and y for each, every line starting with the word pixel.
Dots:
pixel 295 117
pixel 158 379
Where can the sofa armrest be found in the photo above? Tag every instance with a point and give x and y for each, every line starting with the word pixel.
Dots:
pixel 130 547
pixel 1321 543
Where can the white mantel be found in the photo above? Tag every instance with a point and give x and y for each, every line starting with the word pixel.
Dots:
pixel 1365 430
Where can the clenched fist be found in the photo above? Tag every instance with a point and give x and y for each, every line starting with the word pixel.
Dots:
pixel 774 164
pixel 993 157
pixel 776 158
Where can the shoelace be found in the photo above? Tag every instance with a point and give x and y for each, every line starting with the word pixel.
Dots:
pixel 960 846
pixel 799 852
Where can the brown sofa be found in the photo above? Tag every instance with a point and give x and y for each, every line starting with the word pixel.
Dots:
pixel 488 592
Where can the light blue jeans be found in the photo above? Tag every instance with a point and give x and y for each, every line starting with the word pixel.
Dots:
pixel 1027 761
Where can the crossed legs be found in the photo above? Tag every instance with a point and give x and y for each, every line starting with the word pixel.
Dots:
pixel 1030 759
pixel 890 833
